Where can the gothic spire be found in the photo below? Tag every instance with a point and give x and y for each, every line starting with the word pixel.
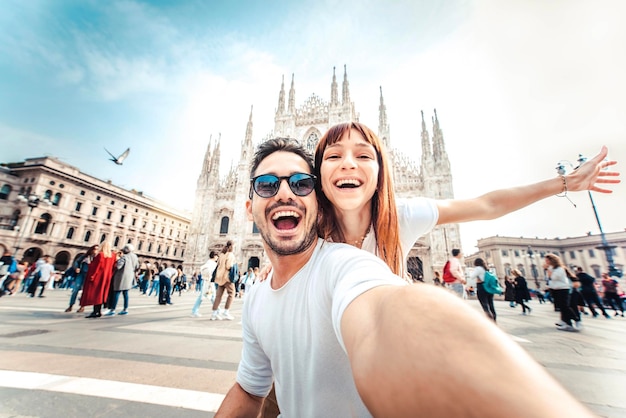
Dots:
pixel 345 95
pixel 215 164
pixel 292 97
pixel 206 164
pixel 425 142
pixel 439 151
pixel 248 139
pixel 281 98
pixel 334 95
pixel 382 113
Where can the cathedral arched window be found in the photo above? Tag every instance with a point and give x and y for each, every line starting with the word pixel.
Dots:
pixel 311 141
pixel 70 233
pixel 47 195
pixel 43 223
pixel 224 225
pixel 116 242
pixel 56 199
pixel 5 191
pixel 103 238
pixel 87 236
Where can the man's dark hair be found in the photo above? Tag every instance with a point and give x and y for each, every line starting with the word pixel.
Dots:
pixel 212 254
pixel 455 252
pixel 265 149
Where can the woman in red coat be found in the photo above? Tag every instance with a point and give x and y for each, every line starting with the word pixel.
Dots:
pixel 98 280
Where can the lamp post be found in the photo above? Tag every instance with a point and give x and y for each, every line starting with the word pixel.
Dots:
pixel 608 249
pixel 533 267
pixel 32 200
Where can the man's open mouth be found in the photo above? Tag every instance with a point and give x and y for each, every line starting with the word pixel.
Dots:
pixel 286 219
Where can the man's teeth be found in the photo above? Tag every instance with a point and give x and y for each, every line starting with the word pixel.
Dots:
pixel 284 214
pixel 348 182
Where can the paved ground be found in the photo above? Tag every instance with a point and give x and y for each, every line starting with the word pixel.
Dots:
pixel 158 361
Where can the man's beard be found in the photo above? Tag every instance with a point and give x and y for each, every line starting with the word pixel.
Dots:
pixel 279 246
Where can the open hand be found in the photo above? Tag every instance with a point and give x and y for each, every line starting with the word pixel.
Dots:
pixel 592 173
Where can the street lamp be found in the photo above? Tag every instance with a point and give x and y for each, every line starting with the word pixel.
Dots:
pixel 533 267
pixel 32 200
pixel 608 249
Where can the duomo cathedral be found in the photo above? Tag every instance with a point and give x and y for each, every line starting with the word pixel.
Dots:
pixel 219 210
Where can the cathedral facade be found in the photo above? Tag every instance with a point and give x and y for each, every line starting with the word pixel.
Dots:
pixel 219 211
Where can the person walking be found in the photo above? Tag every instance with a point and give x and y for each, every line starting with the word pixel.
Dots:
pixel 154 282
pixel 44 271
pixel 522 295
pixel 246 280
pixel 81 266
pixel 165 285
pixel 225 279
pixel 509 291
pixel 589 293
pixel 485 298
pixel 98 281
pixel 125 275
pixel 456 271
pixel 206 270
pixel 611 294
pixel 560 287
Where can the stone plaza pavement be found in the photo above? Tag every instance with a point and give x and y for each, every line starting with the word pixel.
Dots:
pixel 158 361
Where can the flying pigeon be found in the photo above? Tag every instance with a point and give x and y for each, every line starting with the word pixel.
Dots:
pixel 118 160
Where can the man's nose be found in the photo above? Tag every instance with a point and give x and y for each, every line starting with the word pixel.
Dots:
pixel 284 192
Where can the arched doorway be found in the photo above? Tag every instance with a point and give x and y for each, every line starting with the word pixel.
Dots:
pixel 32 254
pixel 62 260
pixel 415 267
pixel 253 262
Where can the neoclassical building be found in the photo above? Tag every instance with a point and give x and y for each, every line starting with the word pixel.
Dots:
pixel 219 210
pixel 527 254
pixel 50 207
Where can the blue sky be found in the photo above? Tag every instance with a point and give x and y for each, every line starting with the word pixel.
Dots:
pixel 518 85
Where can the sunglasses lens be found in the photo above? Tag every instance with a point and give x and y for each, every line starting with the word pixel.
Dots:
pixel 301 184
pixel 266 186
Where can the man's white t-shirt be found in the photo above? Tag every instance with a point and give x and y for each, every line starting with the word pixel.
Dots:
pixel 292 335
pixel 46 270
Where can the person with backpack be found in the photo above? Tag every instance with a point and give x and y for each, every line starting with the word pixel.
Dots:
pixel 453 273
pixel 484 296
pixel 8 268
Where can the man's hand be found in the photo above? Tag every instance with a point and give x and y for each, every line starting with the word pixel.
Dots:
pixel 264 272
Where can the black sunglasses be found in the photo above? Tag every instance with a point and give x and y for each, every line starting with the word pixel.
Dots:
pixel 267 185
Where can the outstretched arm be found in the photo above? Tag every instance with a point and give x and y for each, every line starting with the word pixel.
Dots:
pixel 239 403
pixel 410 347
pixel 589 176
